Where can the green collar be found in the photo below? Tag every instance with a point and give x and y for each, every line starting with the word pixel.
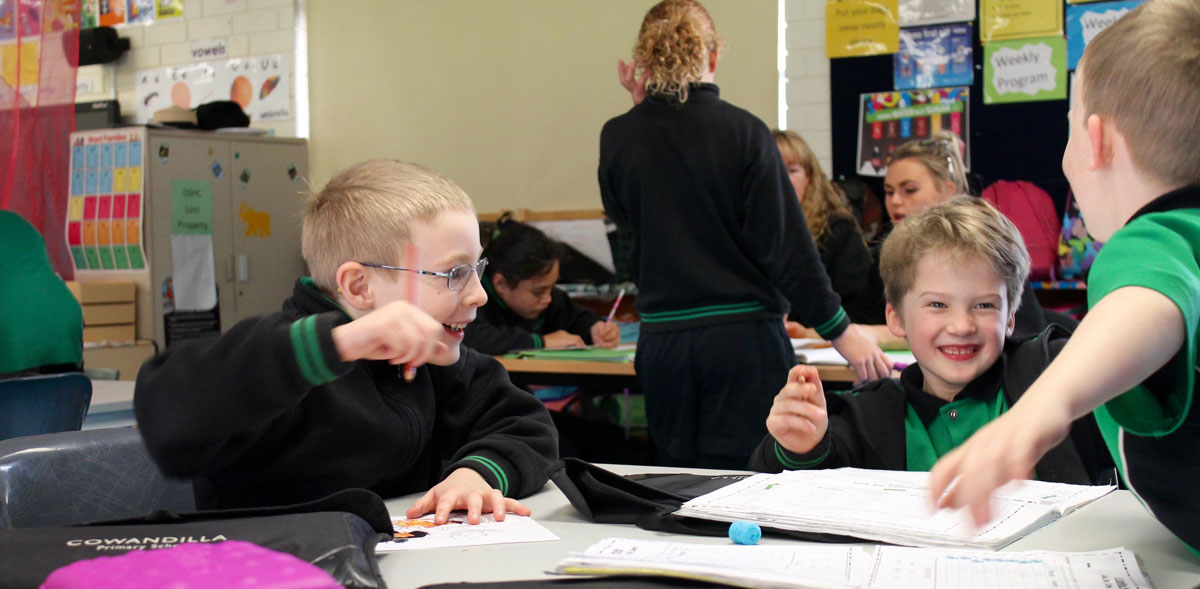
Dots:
pixel 310 283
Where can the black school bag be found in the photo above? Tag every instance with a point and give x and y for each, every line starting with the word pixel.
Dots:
pixel 650 500
pixel 337 534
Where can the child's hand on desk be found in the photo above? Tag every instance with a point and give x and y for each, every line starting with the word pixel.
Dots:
pixel 864 355
pixel 561 339
pixel 798 331
pixel 397 332
pixel 464 489
pixel 605 334
pixel 798 419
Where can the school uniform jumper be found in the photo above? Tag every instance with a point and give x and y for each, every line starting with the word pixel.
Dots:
pixel 1153 430
pixel 498 330
pixel 892 424
pixel 719 251
pixel 848 263
pixel 268 414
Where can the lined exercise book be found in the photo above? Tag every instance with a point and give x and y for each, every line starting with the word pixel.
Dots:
pixel 886 506
pixel 842 566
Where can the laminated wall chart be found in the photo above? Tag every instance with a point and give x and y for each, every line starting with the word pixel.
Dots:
pixel 105 212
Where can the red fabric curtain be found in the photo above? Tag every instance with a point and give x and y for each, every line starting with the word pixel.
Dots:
pixel 39 50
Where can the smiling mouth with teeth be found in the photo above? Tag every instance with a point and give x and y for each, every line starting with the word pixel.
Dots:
pixel 454 327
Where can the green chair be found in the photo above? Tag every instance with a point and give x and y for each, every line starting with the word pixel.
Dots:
pixel 41 325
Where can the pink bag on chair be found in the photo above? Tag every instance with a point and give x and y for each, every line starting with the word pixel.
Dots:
pixel 232 563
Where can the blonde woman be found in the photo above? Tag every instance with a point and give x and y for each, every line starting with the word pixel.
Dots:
pixel 720 248
pixel 840 242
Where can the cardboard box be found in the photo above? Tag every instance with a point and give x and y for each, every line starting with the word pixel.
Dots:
pixel 109 333
pixel 127 360
pixel 109 313
pixel 103 291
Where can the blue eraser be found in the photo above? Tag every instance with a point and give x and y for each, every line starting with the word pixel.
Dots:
pixel 744 532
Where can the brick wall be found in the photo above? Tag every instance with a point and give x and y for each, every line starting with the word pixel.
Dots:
pixel 808 77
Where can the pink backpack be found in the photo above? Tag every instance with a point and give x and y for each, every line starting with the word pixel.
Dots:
pixel 1032 211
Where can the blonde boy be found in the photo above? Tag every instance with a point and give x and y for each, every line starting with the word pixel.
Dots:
pixel 1135 169
pixel 360 380
pixel 952 275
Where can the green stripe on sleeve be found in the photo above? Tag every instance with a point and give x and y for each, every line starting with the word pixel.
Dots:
pixel 314 346
pixel 838 317
pixel 537 341
pixel 307 349
pixel 300 351
pixel 495 470
pixel 790 464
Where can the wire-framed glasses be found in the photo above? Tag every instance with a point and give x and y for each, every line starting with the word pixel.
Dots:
pixel 456 278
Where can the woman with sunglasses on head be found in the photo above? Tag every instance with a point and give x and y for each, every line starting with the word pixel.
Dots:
pixel 920 174
pixel 524 309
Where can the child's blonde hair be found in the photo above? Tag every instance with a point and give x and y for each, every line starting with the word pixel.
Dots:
pixel 941 154
pixel 964 226
pixel 673 45
pixel 1143 73
pixel 820 200
pixel 365 212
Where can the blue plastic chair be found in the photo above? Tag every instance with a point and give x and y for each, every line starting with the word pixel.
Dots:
pixel 78 477
pixel 43 404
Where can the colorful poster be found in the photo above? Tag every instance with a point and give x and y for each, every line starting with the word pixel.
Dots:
pixel 8 19
pixel 104 208
pixel 934 57
pixel 927 12
pixel 1085 22
pixel 1025 70
pixel 29 17
pixel 168 8
pixel 112 12
pixel 861 27
pixel 888 119
pixel 89 17
pixel 141 11
pixel 262 85
pixel 1019 19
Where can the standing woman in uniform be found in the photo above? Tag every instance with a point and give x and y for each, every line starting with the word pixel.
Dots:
pixel 720 248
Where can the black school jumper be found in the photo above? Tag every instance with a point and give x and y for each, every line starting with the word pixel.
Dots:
pixel 720 251
pixel 267 414
pixel 498 330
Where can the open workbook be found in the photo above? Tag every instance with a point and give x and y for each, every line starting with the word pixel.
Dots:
pixel 817 566
pixel 886 506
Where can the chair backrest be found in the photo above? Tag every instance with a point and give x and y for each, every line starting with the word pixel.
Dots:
pixel 86 476
pixel 43 404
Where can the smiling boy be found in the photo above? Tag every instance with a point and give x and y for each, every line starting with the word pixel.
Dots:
pixel 300 404
pixel 951 276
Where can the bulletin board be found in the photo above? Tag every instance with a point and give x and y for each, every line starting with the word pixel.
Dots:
pixel 1021 141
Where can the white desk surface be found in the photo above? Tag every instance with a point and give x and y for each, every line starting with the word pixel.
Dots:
pixel 112 404
pixel 1115 520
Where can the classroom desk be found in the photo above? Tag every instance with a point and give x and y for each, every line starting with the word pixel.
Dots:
pixel 1114 520
pixel 609 375
pixel 112 404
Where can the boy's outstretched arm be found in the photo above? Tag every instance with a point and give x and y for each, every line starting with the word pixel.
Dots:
pixel 1125 338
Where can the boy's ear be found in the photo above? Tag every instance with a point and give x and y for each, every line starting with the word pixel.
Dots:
pixel 353 286
pixel 1012 324
pixel 1100 135
pixel 500 283
pixel 895 323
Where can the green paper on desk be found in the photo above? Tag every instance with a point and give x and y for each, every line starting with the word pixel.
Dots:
pixel 623 353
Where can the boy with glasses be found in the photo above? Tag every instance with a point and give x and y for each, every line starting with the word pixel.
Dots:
pixel 360 381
